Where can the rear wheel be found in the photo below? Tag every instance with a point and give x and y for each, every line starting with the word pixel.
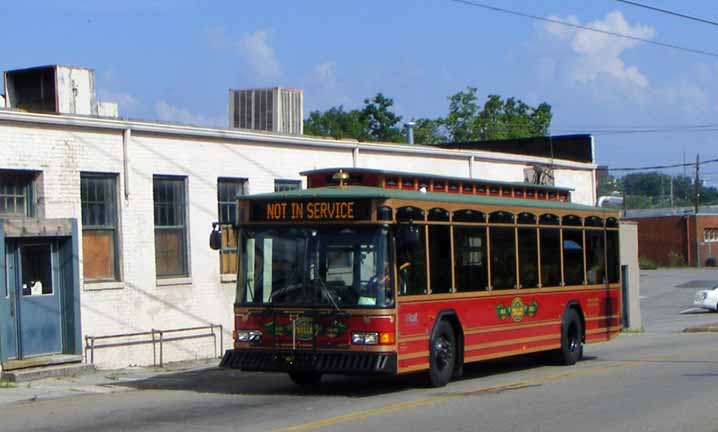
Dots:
pixel 442 355
pixel 305 378
pixel 571 339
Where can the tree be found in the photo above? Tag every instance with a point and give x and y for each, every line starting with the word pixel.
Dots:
pixel 336 123
pixel 497 119
pixel 380 120
pixel 428 132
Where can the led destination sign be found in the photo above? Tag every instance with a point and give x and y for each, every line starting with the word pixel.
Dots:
pixel 312 210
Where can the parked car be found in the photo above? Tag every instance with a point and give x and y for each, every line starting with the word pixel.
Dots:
pixel 707 299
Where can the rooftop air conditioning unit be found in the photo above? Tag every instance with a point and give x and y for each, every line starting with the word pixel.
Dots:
pixel 274 109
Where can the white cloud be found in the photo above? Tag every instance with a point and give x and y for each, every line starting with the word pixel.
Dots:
pixel 325 73
pixel 172 114
pixel 259 55
pixel 598 54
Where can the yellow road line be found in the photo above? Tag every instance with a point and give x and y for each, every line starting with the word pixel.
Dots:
pixel 401 406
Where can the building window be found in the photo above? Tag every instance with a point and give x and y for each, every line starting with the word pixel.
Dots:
pixel 99 226
pixel 170 226
pixel 710 235
pixel 16 194
pixel 227 191
pixel 287 185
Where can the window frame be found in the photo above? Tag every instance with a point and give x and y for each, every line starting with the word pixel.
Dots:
pixel 280 185
pixel 115 227
pixel 183 210
pixel 228 227
pixel 29 178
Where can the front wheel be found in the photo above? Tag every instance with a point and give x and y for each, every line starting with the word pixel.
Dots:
pixel 442 355
pixel 305 378
pixel 571 339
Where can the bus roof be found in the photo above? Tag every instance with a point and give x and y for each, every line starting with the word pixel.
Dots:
pixel 367 192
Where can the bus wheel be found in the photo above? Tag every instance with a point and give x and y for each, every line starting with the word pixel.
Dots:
pixel 305 378
pixel 442 355
pixel 571 339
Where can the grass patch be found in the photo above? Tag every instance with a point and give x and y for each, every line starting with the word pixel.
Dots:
pixel 646 263
pixel 4 384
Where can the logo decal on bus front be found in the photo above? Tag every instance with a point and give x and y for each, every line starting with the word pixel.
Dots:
pixel 517 310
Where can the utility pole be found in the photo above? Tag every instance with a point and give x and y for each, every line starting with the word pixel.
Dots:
pixel 672 206
pixel 696 184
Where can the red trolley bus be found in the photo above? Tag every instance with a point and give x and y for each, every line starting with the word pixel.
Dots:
pixel 379 272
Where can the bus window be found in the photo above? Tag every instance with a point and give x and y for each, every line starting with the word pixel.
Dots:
pixel 548 219
pixel 468 216
pixel 501 217
pixel 384 213
pixel 573 257
pixel 526 219
pixel 440 258
pixel 594 221
pixel 571 220
pixel 550 257
pixel 503 257
pixel 595 266
pixel 612 252
pixel 409 213
pixel 411 263
pixel 528 258
pixel 438 215
pixel 470 259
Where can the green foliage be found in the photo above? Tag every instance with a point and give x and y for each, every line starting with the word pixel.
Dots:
pixel 466 121
pixel 653 190
pixel 497 119
pixel 675 259
pixel 646 264
pixel 380 121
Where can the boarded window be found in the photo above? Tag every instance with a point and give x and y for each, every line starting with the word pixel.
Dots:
pixel 228 189
pixel 99 227
pixel 170 226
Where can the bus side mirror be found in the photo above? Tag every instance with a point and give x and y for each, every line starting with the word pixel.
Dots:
pixel 408 236
pixel 215 237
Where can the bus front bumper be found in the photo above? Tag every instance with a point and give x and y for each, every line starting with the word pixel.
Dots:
pixel 348 363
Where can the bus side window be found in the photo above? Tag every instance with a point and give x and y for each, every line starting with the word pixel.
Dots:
pixel 440 258
pixel 411 266
pixel 470 259
pixel 550 257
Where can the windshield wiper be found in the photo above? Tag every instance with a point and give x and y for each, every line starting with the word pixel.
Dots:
pixel 328 293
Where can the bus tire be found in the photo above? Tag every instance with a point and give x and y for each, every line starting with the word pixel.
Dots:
pixel 305 378
pixel 442 355
pixel 571 349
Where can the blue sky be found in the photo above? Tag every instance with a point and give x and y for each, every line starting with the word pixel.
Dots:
pixel 175 60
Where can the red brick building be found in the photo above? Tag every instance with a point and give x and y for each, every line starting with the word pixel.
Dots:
pixel 670 239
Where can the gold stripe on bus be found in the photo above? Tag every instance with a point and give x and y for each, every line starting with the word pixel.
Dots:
pixel 414 355
pixel 414 338
pixel 413 368
pixel 501 293
pixel 505 327
pixel 604 330
pixel 598 318
pixel 511 353
pixel 510 342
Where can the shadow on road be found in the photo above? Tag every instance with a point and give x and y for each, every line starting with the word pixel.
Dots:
pixel 225 381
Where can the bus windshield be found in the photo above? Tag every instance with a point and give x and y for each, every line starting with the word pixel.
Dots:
pixel 336 267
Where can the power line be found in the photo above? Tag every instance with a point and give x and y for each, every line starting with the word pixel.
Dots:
pixel 582 27
pixel 657 167
pixel 666 11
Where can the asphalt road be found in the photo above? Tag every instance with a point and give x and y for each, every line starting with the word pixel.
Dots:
pixel 660 380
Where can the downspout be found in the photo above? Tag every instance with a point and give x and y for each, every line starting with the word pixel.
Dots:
pixel 471 166
pixel 126 137
pixel 355 157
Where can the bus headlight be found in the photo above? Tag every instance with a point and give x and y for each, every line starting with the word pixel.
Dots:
pixel 248 335
pixel 365 338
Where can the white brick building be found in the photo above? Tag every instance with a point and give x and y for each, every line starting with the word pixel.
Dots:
pixel 57 154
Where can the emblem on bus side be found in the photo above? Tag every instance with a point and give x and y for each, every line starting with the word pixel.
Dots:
pixel 517 310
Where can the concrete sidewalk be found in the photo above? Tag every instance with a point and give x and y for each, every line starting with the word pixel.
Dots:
pixel 99 382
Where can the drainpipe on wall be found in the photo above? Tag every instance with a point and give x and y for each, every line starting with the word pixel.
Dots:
pixel 355 157
pixel 126 137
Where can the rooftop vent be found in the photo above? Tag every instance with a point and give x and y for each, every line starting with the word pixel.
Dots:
pixel 274 109
pixel 54 89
